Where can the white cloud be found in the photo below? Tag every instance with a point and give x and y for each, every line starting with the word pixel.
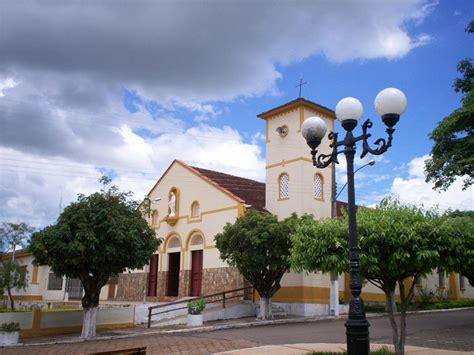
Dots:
pixel 414 190
pixel 64 64
pixel 197 52
pixel 33 186
pixel 6 84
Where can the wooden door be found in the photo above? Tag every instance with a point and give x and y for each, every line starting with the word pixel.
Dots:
pixel 152 276
pixel 196 272
pixel 173 274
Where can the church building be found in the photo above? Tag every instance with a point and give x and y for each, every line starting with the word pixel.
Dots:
pixel 190 205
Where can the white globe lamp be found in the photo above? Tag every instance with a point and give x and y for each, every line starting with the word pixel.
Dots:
pixel 349 110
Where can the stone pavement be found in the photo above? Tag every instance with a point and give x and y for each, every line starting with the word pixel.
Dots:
pixel 223 336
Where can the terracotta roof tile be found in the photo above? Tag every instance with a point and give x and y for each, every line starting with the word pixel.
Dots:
pixel 251 191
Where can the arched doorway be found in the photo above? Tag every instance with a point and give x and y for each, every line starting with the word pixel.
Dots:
pixel 173 249
pixel 196 246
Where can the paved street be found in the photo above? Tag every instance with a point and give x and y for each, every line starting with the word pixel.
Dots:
pixel 444 330
pixel 450 330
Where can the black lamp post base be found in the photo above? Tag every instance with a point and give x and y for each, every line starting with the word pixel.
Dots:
pixel 357 332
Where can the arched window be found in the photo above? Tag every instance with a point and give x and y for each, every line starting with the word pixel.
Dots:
pixel 154 217
pixel 283 186
pixel 195 210
pixel 318 186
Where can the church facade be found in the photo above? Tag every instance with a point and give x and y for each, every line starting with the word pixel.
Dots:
pixel 189 205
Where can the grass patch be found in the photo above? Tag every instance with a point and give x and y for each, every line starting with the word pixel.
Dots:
pixel 8 310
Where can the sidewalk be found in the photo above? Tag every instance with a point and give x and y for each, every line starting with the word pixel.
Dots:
pixel 290 349
pixel 193 344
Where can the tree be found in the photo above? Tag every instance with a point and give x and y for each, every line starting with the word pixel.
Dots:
pixel 458 230
pixel 95 237
pixel 15 234
pixel 452 154
pixel 397 244
pixel 12 276
pixel 258 245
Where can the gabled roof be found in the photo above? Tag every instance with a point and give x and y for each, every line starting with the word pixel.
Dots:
pixel 294 104
pixel 251 192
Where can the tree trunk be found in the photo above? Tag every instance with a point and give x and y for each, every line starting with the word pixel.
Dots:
pixel 405 298
pixel 389 302
pixel 393 300
pixel 12 301
pixel 90 305
pixel 265 308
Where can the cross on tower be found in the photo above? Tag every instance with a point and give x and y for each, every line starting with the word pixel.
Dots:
pixel 300 85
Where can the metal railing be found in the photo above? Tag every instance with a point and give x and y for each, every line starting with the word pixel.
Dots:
pixel 212 298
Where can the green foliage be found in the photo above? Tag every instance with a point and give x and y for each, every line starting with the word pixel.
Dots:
pixel 14 234
pixel 97 236
pixel 196 306
pixel 395 242
pixel 10 327
pixel 320 245
pixel 12 276
pixel 259 246
pixel 458 254
pixel 452 154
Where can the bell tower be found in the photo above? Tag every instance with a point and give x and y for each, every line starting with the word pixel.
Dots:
pixel 293 184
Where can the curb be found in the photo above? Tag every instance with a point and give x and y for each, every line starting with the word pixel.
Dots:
pixel 226 326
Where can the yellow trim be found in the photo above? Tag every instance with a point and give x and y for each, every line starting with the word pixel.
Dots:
pixel 279 186
pixel 267 124
pixel 455 292
pixel 322 186
pixel 302 294
pixel 28 297
pixel 191 214
pixel 301 112
pixel 210 246
pixel 193 220
pixel 241 209
pixel 168 237
pixel 289 106
pixel 155 221
pixel 347 287
pixel 193 232
pixel 284 162
pixel 34 275
pixel 22 253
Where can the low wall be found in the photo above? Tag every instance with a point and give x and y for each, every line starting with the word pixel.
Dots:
pixel 40 323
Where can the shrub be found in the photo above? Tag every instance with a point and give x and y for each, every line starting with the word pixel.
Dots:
pixel 196 306
pixel 10 327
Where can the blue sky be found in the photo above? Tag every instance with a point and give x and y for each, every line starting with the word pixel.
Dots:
pixel 426 75
pixel 83 92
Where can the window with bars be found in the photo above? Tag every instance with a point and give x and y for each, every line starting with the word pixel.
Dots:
pixel 284 186
pixel 54 282
pixel 318 186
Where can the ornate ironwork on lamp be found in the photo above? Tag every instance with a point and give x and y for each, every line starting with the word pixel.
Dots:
pixel 389 104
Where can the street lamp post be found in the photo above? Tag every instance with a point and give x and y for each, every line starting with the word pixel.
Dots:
pixel 389 104
pixel 369 163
